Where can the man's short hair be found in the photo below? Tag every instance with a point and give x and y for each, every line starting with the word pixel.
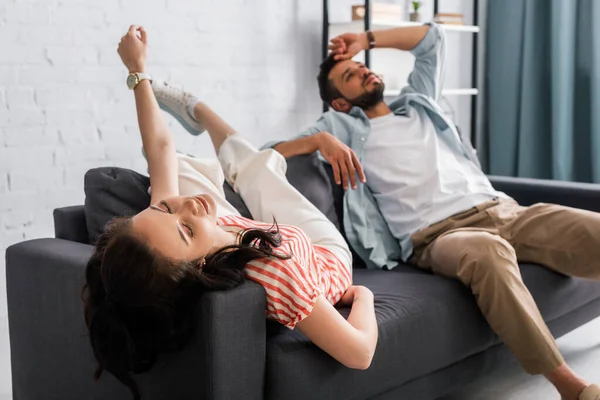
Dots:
pixel 327 90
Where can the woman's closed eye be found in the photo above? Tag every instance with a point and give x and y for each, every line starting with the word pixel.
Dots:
pixel 189 228
pixel 164 203
pixel 184 224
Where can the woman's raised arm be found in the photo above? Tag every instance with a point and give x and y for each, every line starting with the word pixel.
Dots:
pixel 156 138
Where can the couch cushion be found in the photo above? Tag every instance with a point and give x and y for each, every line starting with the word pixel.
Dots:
pixel 309 176
pixel 426 322
pixel 112 192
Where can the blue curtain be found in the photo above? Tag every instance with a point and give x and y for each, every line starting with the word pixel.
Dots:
pixel 543 89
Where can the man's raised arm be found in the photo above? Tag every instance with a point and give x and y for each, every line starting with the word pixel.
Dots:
pixel 425 42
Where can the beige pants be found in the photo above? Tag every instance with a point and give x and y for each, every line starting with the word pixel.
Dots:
pixel 481 247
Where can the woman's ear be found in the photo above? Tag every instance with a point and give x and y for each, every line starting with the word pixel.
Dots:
pixel 340 104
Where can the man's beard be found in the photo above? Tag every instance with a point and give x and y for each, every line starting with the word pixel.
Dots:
pixel 369 100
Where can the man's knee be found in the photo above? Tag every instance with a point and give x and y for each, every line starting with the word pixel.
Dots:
pixel 480 255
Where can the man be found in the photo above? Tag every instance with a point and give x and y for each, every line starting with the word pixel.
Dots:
pixel 427 202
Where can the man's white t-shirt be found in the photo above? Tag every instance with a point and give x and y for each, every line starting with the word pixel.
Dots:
pixel 416 179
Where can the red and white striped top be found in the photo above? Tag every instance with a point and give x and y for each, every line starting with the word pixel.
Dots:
pixel 293 285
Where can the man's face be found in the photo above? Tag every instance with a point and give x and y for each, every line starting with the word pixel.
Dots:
pixel 357 84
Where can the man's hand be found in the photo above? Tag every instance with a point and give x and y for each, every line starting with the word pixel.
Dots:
pixel 133 49
pixel 353 293
pixel 342 158
pixel 348 45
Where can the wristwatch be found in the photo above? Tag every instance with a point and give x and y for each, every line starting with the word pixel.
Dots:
pixel 134 78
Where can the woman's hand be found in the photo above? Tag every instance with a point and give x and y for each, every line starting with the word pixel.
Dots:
pixel 342 158
pixel 133 49
pixel 353 293
pixel 348 45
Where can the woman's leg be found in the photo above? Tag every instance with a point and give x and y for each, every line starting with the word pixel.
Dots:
pixel 217 128
pixel 259 178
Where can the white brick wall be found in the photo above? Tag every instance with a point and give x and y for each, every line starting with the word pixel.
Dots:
pixel 64 106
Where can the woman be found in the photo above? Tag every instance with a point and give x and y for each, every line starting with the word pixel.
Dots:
pixel 148 270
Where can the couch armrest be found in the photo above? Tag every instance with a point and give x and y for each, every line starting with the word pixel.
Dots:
pixel 528 191
pixel 226 359
pixel 49 344
pixel 69 224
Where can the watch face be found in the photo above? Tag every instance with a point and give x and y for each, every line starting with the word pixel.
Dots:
pixel 131 81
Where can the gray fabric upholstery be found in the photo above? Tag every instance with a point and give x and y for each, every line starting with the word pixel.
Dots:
pixel 51 356
pixel 236 200
pixel 308 174
pixel 112 192
pixel 426 322
pixel 450 378
pixel 530 191
pixel 69 224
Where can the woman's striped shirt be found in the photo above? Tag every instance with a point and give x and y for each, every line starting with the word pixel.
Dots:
pixel 293 285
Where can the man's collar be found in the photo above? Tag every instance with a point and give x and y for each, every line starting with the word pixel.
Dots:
pixel 358 112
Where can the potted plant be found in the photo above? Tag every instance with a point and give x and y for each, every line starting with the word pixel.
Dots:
pixel 415 16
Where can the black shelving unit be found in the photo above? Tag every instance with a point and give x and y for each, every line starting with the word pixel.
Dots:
pixel 367 26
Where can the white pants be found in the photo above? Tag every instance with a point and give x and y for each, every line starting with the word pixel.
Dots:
pixel 259 178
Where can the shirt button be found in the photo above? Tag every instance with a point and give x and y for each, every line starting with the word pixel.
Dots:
pixel 362 139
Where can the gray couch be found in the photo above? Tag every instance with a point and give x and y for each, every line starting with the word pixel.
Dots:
pixel 432 337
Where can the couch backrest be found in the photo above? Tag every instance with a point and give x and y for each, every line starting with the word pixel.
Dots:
pixel 69 224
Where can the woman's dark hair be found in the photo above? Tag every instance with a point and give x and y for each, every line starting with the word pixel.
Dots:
pixel 139 303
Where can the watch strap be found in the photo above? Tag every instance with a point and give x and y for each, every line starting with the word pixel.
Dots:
pixel 371 39
pixel 143 75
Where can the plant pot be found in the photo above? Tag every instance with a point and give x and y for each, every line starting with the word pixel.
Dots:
pixel 415 17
